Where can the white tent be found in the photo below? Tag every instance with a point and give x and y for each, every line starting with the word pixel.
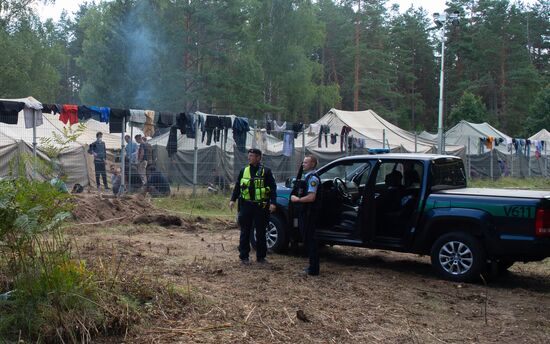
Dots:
pixel 428 136
pixel 372 131
pixel 465 133
pixel 542 135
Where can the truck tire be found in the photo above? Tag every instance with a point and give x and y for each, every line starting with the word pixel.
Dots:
pixel 458 257
pixel 276 235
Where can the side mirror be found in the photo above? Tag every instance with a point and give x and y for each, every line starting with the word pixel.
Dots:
pixel 289 183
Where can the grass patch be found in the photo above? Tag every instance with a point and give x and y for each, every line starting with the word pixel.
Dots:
pixel 536 183
pixel 203 204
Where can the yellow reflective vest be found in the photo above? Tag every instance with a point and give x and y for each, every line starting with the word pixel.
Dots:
pixel 258 188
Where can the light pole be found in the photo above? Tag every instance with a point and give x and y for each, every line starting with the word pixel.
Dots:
pixel 440 21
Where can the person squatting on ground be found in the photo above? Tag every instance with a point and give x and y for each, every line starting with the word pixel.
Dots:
pixel 157 184
pixel 116 180
pixel 58 182
pixel 305 204
pixel 97 149
pixel 256 191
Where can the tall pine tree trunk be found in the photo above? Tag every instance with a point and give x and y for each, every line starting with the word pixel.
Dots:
pixel 503 120
pixel 357 53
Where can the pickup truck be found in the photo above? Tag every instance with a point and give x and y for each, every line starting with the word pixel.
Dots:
pixel 420 203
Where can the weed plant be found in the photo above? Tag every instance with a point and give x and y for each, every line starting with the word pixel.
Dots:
pixel 45 294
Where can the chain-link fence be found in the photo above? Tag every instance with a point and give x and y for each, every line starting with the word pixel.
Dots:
pixel 201 153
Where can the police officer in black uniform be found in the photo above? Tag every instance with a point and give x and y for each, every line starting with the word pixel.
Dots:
pixel 256 191
pixel 305 201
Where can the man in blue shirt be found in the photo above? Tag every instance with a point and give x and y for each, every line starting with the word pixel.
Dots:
pixel 131 149
pixel 308 213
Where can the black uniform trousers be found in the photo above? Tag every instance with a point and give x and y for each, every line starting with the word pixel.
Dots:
pixel 100 171
pixel 306 222
pixel 253 215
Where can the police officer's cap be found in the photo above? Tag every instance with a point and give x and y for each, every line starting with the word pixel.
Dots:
pixel 255 151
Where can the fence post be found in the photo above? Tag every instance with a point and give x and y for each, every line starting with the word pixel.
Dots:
pixel 122 162
pixel 491 166
pixel 303 142
pixel 383 138
pixel 34 144
pixel 130 159
pixel 195 154
pixel 469 161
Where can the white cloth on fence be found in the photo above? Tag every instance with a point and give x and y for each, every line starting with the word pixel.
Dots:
pixel 28 113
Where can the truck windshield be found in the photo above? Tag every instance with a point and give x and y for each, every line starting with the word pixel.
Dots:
pixel 447 173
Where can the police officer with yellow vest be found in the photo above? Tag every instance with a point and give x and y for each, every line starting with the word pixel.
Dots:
pixel 256 191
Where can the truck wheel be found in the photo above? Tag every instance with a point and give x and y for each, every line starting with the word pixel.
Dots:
pixel 276 235
pixel 458 257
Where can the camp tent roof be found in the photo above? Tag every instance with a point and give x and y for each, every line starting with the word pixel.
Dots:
pixel 373 129
pixel 464 133
pixel 428 136
pixel 542 135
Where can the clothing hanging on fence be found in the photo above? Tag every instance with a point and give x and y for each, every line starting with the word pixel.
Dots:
pixel 9 111
pixel 344 137
pixel 190 124
pixel 211 129
pixel 263 140
pixel 137 119
pixel 105 113
pixel 116 118
pixel 288 142
pixel 28 114
pixel 69 114
pixel 240 128
pixel 172 146
pixel 226 124
pixel 333 139
pixel 324 131
pixel 149 126
pixel 85 113
pixel 180 122
pixel 277 127
pixel 255 138
pixel 165 119
pixel 51 108
pixel 269 126
pixel 297 128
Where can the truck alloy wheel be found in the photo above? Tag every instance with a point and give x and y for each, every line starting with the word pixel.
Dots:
pixel 458 256
pixel 276 236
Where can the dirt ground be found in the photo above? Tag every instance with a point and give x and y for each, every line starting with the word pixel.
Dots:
pixel 361 296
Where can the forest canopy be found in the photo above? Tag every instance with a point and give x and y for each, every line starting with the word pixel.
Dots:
pixel 287 59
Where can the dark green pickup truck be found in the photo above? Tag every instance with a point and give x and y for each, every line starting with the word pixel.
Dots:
pixel 419 203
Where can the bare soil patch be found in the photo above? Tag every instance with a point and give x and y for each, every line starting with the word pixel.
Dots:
pixel 361 296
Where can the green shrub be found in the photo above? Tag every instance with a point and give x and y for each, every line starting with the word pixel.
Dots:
pixel 51 296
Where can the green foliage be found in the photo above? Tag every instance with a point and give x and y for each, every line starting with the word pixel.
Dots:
pixel 54 145
pixel 539 113
pixel 470 108
pixel 52 297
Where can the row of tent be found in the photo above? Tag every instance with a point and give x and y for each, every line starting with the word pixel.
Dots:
pixel 365 128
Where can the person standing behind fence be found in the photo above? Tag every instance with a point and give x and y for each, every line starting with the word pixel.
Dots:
pixel 256 191
pixel 142 162
pixel 131 150
pixel 97 149
pixel 148 156
pixel 308 213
